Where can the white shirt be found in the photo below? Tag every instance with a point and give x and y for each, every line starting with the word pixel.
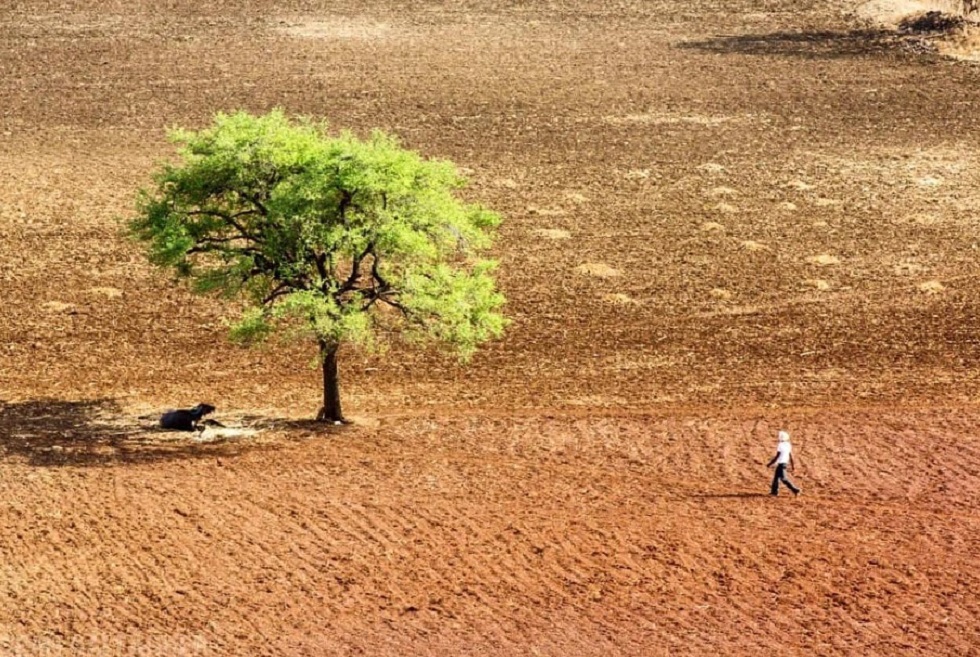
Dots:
pixel 783 450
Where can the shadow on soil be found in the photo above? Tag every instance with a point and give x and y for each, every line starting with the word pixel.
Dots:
pixel 716 496
pixel 807 45
pixel 53 432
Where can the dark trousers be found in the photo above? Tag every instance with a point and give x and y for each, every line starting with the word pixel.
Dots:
pixel 780 476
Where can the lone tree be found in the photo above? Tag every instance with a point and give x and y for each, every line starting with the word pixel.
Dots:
pixel 330 238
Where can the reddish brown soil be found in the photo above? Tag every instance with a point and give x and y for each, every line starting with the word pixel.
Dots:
pixel 791 208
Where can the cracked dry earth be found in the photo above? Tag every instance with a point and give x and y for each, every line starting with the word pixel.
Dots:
pixel 722 219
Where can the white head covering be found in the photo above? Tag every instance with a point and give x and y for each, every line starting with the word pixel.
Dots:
pixel 783 437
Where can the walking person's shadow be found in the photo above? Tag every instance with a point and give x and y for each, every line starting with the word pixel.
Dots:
pixel 711 496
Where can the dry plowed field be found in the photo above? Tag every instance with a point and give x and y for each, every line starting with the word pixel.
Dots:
pixel 721 219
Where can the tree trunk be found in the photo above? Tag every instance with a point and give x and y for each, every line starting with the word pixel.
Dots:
pixel 330 412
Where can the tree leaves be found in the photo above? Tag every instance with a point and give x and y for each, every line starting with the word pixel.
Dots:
pixel 317 233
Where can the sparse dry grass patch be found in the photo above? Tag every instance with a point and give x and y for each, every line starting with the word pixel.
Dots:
pixel 552 233
pixel 598 270
pixel 724 208
pixel 335 28
pixel 108 292
pixel 660 118
pixel 58 307
pixel 621 299
pixel 931 287
pixel 817 284
pixel 798 185
pixel 823 260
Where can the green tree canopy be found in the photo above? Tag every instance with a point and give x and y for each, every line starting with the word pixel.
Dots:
pixel 330 238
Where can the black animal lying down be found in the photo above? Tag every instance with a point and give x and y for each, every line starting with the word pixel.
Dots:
pixel 186 419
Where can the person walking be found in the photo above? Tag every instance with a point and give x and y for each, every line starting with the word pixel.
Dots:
pixel 783 458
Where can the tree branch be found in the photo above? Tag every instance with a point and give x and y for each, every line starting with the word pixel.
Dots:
pixel 241 229
pixel 203 242
pixel 321 265
pixel 254 200
pixel 346 199
pixel 206 248
pixel 219 214
pixel 355 272
pixel 281 289
pixel 375 294
pixel 230 218
pixel 377 274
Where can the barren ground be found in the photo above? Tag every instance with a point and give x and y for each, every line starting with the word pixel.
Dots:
pixel 721 219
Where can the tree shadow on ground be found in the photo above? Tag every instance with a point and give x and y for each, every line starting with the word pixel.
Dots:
pixel 51 432
pixel 824 44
